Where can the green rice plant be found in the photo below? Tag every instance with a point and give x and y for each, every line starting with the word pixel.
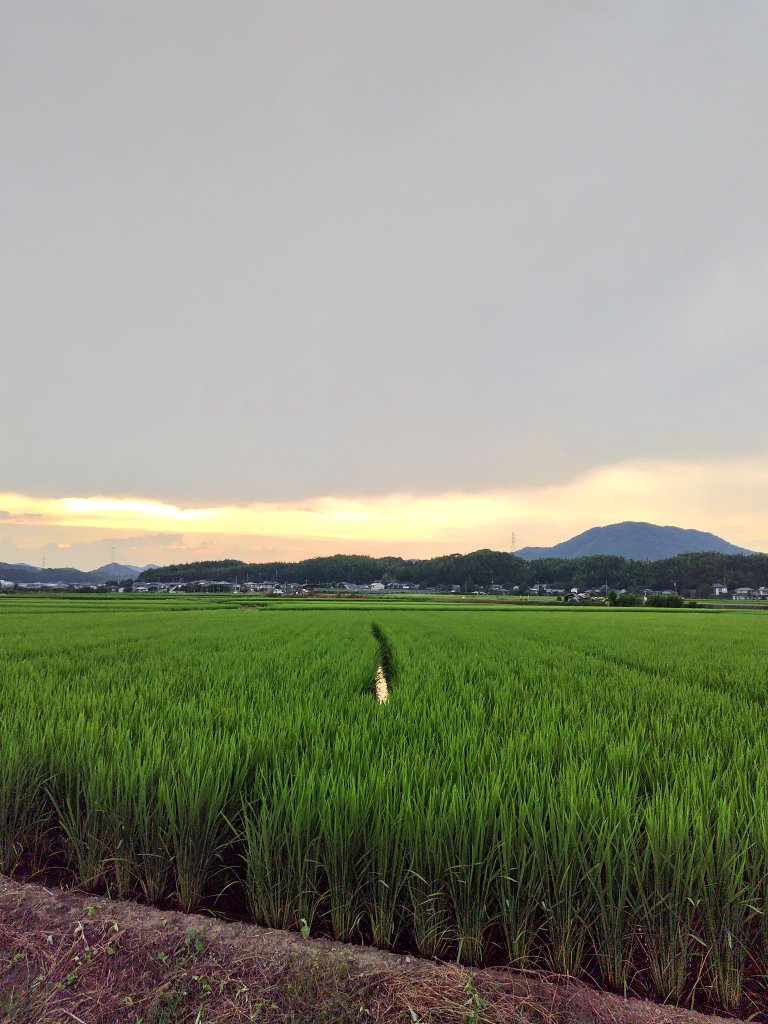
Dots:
pixel 344 816
pixel 429 917
pixel 471 861
pixel 123 815
pixel 83 822
pixel 21 802
pixel 280 836
pixel 609 851
pixel 589 790
pixel 150 838
pixel 195 799
pixel 427 908
pixel 384 865
pixel 82 804
pixel 668 889
pixel 758 882
pixel 519 884
pixel 726 907
pixel 560 852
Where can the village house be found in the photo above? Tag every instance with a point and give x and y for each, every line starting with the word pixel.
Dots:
pixel 748 594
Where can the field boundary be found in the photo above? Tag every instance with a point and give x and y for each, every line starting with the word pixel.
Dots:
pixel 72 955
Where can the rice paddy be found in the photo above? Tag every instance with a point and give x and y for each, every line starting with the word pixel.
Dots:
pixel 585 793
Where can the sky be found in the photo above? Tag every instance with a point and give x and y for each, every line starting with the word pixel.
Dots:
pixel 283 279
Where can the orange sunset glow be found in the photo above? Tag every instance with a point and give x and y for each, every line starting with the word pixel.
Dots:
pixel 412 524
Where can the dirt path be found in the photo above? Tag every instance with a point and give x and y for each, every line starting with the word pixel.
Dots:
pixel 66 955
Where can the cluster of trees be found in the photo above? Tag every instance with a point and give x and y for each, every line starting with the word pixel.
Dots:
pixel 689 574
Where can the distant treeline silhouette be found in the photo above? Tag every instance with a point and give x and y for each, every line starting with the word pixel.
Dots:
pixel 691 574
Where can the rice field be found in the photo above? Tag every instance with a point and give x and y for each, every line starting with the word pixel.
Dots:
pixel 581 792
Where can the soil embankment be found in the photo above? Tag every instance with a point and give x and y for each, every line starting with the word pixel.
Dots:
pixel 66 955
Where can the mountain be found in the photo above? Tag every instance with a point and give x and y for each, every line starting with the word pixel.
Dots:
pixel 641 541
pixel 116 571
pixel 20 572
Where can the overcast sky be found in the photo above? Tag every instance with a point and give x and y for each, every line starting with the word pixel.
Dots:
pixel 263 253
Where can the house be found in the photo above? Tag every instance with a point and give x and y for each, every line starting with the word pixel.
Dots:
pixel 265 587
pixel 742 594
pixel 719 589
pixel 761 593
pixel 377 585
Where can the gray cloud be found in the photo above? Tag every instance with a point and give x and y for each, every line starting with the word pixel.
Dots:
pixel 265 251
pixel 20 517
pixel 34 546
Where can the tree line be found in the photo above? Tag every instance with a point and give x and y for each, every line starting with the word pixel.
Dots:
pixel 690 574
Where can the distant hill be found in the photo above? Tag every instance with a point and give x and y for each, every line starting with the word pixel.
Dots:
pixel 20 572
pixel 640 541
pixel 116 571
